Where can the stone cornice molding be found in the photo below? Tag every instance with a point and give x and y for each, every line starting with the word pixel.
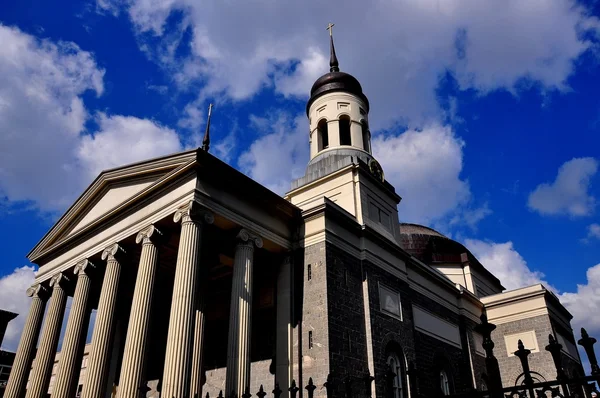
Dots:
pixel 148 235
pixel 84 267
pixel 248 238
pixel 59 281
pixel 113 252
pixel 193 212
pixel 37 290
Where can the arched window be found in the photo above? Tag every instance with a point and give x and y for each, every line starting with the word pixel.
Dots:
pixel 323 134
pixel 444 383
pixel 365 136
pixel 345 137
pixel 397 368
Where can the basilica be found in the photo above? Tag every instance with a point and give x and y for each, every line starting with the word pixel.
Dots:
pixel 202 281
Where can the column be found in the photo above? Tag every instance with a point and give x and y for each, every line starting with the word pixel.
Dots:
pixel 132 368
pixel 283 337
pixel 69 366
pixel 178 357
pixel 17 380
pixel 102 340
pixel 44 360
pixel 197 366
pixel 240 324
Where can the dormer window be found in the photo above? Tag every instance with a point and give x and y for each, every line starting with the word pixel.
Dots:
pixel 323 134
pixel 345 137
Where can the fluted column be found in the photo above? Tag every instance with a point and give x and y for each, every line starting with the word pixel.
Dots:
pixel 178 357
pixel 134 355
pixel 240 323
pixel 17 380
pixel 71 353
pixel 197 366
pixel 102 340
pixel 44 360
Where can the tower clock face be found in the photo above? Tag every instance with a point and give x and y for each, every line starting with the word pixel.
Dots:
pixel 376 170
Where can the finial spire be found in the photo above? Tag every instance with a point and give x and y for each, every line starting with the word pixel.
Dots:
pixel 206 140
pixel 334 65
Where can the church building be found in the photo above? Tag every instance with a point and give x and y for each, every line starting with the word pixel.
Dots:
pixel 205 281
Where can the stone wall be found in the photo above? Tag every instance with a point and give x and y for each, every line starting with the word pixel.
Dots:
pixel 540 362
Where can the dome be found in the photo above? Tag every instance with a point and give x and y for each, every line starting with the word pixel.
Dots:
pixel 336 81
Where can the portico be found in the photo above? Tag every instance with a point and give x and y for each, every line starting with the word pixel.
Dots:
pixel 171 258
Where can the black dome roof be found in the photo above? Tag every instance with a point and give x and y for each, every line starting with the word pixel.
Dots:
pixel 336 81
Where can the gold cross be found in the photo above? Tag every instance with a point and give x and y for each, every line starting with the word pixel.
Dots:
pixel 330 28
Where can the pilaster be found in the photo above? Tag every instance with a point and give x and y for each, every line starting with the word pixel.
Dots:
pixel 240 322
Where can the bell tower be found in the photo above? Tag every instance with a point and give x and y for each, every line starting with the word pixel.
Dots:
pixel 342 167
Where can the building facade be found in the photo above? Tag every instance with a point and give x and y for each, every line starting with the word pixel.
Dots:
pixel 205 281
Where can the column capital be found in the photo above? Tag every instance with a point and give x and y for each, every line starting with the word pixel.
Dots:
pixel 84 267
pixel 59 281
pixel 113 252
pixel 37 290
pixel 148 235
pixel 193 212
pixel 247 237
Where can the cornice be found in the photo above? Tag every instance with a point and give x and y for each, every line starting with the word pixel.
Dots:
pixel 43 248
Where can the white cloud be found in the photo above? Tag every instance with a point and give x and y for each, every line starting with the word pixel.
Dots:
pixel 513 271
pixel 398 50
pixel 42 118
pixel 280 155
pixel 584 304
pixel 593 231
pixel 14 299
pixel 568 194
pixel 424 166
pixel 122 140
pixel 41 115
pixel 502 260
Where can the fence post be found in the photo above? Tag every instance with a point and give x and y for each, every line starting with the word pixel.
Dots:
pixel 293 389
pixel 389 382
pixel 587 343
pixel 276 390
pixel 523 353
pixel 310 387
pixel 328 386
pixel 554 348
pixel 491 363
pixel 261 392
pixel 348 385
pixel 246 393
pixel 368 381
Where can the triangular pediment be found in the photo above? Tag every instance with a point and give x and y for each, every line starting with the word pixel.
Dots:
pixel 112 191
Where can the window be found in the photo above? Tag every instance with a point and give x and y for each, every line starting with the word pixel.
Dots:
pixel 398 370
pixel 365 136
pixel 444 383
pixel 323 134
pixel 345 138
pixel 379 215
pixel 389 302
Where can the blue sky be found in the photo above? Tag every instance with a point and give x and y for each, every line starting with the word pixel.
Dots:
pixel 485 115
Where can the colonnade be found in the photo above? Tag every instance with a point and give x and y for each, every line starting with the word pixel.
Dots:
pixel 183 360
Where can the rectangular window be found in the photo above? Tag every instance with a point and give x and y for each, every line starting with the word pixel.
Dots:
pixel 389 302
pixel 379 215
